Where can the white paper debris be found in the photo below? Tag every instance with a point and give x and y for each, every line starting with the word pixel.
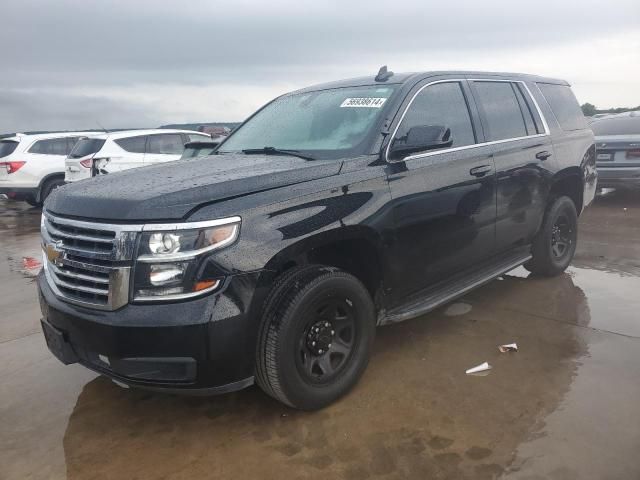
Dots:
pixel 509 347
pixel 480 368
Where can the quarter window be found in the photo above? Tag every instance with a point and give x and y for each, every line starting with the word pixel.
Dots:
pixel 441 104
pixel 133 144
pixel 53 146
pixel 502 113
pixel 169 144
pixel 7 147
pixel 564 105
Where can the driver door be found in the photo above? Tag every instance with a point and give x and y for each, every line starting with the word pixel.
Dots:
pixel 444 198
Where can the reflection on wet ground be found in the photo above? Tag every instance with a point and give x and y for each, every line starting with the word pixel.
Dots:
pixel 565 406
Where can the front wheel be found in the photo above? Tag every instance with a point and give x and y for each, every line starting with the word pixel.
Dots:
pixel 555 244
pixel 316 337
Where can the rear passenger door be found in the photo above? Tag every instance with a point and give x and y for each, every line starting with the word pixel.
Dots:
pixel 520 142
pixel 444 201
pixel 132 156
pixel 164 147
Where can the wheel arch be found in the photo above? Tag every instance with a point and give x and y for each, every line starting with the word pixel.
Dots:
pixel 569 182
pixel 355 249
pixel 45 180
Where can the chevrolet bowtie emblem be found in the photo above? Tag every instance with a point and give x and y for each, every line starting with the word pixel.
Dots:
pixel 54 254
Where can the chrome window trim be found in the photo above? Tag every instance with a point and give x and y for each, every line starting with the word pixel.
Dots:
pixel 475 145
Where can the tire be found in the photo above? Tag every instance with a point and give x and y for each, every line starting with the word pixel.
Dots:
pixel 555 244
pixel 49 187
pixel 315 338
pixel 32 201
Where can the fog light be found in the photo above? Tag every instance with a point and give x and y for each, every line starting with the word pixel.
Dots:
pixel 166 274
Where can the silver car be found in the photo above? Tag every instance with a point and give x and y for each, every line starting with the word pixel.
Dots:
pixel 618 151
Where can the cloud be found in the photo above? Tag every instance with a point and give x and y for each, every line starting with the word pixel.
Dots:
pixel 135 60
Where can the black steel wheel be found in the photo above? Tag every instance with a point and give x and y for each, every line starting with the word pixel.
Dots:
pixel 561 236
pixel 326 344
pixel 316 336
pixel 555 244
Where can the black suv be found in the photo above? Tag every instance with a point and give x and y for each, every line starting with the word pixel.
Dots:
pixel 331 210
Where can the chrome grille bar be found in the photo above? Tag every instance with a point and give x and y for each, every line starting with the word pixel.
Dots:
pixel 78 276
pixel 88 263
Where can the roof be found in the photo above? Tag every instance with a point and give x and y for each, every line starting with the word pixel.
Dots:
pixel 413 77
pixel 44 136
pixel 135 133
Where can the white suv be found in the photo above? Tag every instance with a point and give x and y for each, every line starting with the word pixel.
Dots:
pixel 113 152
pixel 31 166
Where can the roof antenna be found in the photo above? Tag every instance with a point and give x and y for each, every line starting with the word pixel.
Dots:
pixel 383 74
pixel 105 130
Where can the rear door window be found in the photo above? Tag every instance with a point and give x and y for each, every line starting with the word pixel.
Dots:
pixel 168 144
pixel 501 110
pixel 133 144
pixel 7 147
pixel 525 108
pixel 52 146
pixel 86 146
pixel 441 104
pixel 564 105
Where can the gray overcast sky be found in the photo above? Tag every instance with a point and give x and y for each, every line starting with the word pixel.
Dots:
pixel 67 64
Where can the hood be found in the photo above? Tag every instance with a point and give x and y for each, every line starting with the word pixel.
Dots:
pixel 171 190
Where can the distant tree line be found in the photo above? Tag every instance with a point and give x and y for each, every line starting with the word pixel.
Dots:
pixel 590 110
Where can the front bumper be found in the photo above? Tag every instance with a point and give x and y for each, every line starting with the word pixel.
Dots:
pixel 202 346
pixel 618 176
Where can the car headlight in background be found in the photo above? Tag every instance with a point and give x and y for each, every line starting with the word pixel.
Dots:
pixel 172 260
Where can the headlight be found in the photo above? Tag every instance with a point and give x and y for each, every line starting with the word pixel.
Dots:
pixel 172 262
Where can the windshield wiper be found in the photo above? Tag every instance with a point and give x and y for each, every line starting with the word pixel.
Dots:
pixel 277 151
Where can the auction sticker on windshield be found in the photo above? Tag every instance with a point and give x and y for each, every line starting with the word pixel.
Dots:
pixel 367 102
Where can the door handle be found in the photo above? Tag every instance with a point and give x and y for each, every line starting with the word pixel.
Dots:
pixel 480 171
pixel 543 155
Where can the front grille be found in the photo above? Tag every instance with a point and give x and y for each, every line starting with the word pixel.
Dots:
pixel 88 263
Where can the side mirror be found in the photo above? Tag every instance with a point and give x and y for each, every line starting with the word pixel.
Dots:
pixel 419 139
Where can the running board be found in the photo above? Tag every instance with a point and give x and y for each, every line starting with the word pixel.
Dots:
pixel 434 297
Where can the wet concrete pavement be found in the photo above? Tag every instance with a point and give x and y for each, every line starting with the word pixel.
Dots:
pixel 565 406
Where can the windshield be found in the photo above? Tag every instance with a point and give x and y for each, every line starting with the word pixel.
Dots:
pixel 327 122
pixel 617 126
pixel 7 147
pixel 86 146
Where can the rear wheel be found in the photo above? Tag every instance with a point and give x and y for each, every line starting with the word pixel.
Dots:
pixel 316 337
pixel 49 187
pixel 555 243
pixel 32 201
